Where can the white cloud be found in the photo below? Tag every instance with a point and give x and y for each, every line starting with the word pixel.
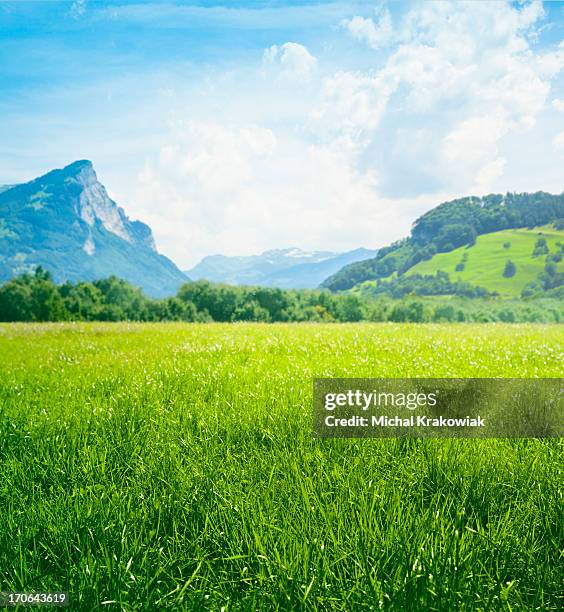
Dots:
pixel 291 59
pixel 468 70
pixel 375 35
pixel 473 140
pixel 295 154
pixel 241 190
pixel 352 104
pixel 487 175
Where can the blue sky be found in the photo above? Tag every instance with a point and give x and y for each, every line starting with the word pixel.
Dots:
pixel 243 126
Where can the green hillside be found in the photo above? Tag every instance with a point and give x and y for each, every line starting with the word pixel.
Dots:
pixel 486 259
pixel 455 225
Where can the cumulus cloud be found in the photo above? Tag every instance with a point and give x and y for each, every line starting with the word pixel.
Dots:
pixel 291 59
pixel 375 35
pixel 242 190
pixel 352 105
pixel 448 107
pixel 467 69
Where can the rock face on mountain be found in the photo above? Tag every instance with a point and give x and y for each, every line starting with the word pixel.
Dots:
pixel 66 222
pixel 283 268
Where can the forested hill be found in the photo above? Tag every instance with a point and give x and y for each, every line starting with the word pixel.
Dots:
pixel 451 225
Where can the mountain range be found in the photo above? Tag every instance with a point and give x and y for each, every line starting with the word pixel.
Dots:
pixel 289 268
pixel 65 222
pixel 508 244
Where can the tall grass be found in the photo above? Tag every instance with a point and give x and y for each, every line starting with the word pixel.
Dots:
pixel 169 466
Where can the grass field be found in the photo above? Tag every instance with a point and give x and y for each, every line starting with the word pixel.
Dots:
pixel 172 466
pixel 487 258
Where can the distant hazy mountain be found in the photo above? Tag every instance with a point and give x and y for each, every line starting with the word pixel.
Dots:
pixel 284 268
pixel 65 222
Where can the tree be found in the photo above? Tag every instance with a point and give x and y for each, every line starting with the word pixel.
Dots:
pixel 15 301
pixel 251 310
pixel 506 315
pixel 32 298
pixel 416 312
pixel 42 274
pixel 220 301
pixel 274 301
pixel 444 313
pixel 455 235
pixel 350 309
pixel 541 248
pixel 509 270
pixel 316 313
pixel 83 301
pixel 47 303
pixel 120 300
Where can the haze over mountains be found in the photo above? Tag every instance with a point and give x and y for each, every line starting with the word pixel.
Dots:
pixel 284 268
pixel 66 222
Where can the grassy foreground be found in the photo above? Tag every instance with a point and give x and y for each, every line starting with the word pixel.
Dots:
pixel 172 466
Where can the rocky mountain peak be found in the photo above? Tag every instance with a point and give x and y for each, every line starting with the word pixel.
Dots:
pixel 81 171
pixel 66 222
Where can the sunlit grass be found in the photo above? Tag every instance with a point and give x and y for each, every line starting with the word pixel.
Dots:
pixel 172 466
pixel 486 259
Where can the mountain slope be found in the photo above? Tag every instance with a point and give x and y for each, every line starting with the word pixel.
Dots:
pixel 284 268
pixel 484 262
pixel 65 222
pixel 449 226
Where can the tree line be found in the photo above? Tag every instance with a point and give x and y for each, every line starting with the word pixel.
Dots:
pixel 36 298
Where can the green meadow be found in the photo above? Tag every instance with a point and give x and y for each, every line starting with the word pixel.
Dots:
pixel 486 259
pixel 172 466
